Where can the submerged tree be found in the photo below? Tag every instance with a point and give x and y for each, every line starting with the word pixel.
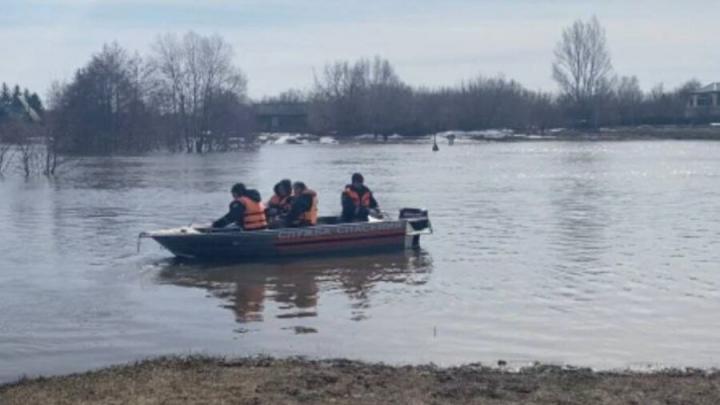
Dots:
pixel 366 95
pixel 583 69
pixel 627 100
pixel 192 75
pixel 103 109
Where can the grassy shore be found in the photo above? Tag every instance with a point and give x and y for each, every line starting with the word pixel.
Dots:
pixel 204 380
pixel 645 132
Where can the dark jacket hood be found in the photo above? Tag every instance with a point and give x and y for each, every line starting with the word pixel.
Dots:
pixel 253 195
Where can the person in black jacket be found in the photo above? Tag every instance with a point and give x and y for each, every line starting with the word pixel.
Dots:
pixel 357 200
pixel 244 210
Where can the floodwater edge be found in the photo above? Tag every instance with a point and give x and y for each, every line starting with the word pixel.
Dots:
pixel 204 379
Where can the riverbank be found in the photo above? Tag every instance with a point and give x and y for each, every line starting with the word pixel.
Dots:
pixel 263 380
pixel 642 132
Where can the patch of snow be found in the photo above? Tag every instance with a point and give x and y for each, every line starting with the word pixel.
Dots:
pixel 495 133
pixel 500 133
pixel 365 137
pixel 285 138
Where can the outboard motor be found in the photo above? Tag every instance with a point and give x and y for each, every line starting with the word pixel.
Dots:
pixel 406 213
pixel 418 222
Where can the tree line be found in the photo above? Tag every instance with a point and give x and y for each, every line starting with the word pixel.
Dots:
pixel 187 94
pixel 368 96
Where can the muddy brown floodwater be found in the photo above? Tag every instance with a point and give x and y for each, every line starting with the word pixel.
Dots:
pixel 594 254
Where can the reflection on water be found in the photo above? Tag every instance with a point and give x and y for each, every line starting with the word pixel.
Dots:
pixel 601 254
pixel 296 286
pixel 579 208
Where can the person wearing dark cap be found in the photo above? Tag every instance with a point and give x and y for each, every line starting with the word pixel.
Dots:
pixel 246 210
pixel 357 200
pixel 304 209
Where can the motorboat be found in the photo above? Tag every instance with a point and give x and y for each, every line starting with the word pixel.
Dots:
pixel 329 236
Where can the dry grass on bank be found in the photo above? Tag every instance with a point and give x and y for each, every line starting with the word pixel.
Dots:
pixel 202 380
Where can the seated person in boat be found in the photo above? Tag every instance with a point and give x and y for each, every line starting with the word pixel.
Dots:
pixel 246 210
pixel 357 200
pixel 279 205
pixel 304 208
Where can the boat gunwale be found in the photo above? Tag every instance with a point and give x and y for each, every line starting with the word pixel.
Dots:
pixel 236 232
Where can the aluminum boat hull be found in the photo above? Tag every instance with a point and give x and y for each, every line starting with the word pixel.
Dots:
pixel 205 243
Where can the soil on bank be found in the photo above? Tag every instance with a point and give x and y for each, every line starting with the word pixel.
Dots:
pixel 202 380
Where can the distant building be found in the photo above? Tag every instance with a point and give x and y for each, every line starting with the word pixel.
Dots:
pixel 281 117
pixel 705 102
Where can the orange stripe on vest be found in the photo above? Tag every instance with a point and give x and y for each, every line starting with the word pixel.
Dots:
pixel 355 197
pixel 254 214
pixel 283 204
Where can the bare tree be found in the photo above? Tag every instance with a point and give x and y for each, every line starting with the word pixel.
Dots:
pixel 668 107
pixel 102 110
pixel 628 99
pixel 26 147
pixel 19 145
pixel 583 68
pixel 28 156
pixel 338 97
pixel 387 98
pixel 166 64
pixel 366 95
pixel 493 103
pixel 54 133
pixel 190 74
pixel 51 154
pixel 288 96
pixel 6 148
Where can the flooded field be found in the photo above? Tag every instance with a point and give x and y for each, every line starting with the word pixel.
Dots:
pixel 600 254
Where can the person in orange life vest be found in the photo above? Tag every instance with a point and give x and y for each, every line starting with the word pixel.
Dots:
pixel 304 211
pixel 246 210
pixel 280 202
pixel 279 205
pixel 357 200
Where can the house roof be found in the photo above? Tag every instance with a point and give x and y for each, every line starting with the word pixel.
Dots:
pixel 710 88
pixel 31 111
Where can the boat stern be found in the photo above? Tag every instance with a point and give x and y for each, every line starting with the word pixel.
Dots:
pixel 417 222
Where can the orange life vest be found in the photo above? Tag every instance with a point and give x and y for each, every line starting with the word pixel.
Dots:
pixel 363 201
pixel 280 203
pixel 254 214
pixel 310 216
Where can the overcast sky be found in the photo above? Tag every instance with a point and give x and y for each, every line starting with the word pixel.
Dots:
pixel 278 43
